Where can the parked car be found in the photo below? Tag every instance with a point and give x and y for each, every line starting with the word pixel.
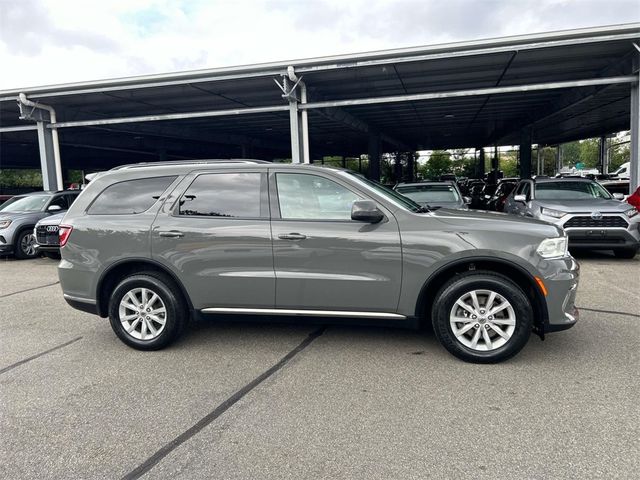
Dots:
pixel 590 215
pixel 475 193
pixel 19 215
pixel 4 198
pixel 497 201
pixel 434 194
pixel 484 198
pixel 47 238
pixel 634 199
pixel 150 246
pixel 624 171
pixel 616 187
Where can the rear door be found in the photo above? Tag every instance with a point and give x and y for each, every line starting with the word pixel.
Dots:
pixel 214 234
pixel 324 260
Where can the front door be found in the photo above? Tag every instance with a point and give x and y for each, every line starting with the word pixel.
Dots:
pixel 324 260
pixel 215 236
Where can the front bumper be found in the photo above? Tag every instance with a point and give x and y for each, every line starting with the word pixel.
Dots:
pixel 6 246
pixel 562 286
pixel 603 238
pixel 612 230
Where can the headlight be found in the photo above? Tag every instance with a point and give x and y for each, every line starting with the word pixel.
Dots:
pixel 553 247
pixel 632 212
pixel 552 213
pixel 5 223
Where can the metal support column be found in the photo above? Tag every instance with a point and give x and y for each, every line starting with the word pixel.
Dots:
pixel 47 158
pixel 298 119
pixel 603 162
pixel 375 154
pixel 539 161
pixel 411 162
pixel 558 158
pixel 635 127
pixel 525 153
pixel 480 165
pixel 48 144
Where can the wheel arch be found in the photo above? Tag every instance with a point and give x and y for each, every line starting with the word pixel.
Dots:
pixel 512 270
pixel 112 275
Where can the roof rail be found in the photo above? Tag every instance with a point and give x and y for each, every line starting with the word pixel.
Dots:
pixel 188 162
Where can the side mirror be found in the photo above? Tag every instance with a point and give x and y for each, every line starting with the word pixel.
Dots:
pixel 520 198
pixel 366 211
pixel 618 196
pixel 54 208
pixel 467 200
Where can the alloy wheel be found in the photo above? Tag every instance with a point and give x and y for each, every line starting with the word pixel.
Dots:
pixel 142 313
pixel 482 320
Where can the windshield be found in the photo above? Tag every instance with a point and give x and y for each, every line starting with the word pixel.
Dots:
pixel 394 197
pixel 442 193
pixel 570 191
pixel 32 203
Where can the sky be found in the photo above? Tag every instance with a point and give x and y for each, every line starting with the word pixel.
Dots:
pixel 44 42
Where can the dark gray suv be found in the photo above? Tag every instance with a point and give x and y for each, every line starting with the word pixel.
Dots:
pixel 152 246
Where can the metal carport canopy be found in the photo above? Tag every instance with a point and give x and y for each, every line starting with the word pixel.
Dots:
pixel 558 86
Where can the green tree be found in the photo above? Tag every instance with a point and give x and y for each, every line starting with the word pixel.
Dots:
pixel 439 163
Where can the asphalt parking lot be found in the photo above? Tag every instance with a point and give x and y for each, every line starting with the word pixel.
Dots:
pixel 249 401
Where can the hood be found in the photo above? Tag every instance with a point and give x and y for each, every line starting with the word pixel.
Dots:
pixel 22 216
pixel 585 206
pixel 496 221
pixel 52 219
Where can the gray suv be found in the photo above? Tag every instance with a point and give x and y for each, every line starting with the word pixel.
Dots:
pixel 19 215
pixel 152 246
pixel 591 216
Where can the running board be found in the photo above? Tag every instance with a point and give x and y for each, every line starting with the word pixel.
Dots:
pixel 306 313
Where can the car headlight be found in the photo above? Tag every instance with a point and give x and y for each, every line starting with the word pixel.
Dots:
pixel 553 247
pixel 550 212
pixel 632 212
pixel 5 223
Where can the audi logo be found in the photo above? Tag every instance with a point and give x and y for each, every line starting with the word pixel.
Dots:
pixel 52 228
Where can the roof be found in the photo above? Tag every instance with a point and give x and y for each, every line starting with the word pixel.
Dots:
pixel 455 112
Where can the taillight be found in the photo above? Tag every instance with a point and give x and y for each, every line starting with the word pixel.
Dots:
pixel 64 232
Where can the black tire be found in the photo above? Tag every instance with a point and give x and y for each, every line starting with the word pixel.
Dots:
pixel 627 253
pixel 482 280
pixel 18 248
pixel 52 255
pixel 170 295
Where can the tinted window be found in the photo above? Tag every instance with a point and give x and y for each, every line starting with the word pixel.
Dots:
pixel 131 196
pixel 312 197
pixel 228 195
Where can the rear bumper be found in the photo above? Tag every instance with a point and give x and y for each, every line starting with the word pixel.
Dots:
pixel 48 248
pixel 83 304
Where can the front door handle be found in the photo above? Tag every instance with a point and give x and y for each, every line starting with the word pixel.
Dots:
pixel 292 236
pixel 171 234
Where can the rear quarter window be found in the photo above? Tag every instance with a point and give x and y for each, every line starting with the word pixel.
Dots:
pixel 130 196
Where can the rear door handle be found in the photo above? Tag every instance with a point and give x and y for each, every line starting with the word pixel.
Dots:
pixel 292 236
pixel 171 234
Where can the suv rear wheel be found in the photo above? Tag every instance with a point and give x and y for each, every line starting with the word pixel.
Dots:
pixel 482 317
pixel 147 311
pixel 25 246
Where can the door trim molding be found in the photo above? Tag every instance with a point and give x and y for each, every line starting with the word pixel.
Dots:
pixel 307 313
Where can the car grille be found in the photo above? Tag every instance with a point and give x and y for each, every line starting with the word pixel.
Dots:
pixel 47 235
pixel 604 222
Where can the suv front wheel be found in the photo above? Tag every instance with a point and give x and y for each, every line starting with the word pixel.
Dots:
pixel 147 311
pixel 482 317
